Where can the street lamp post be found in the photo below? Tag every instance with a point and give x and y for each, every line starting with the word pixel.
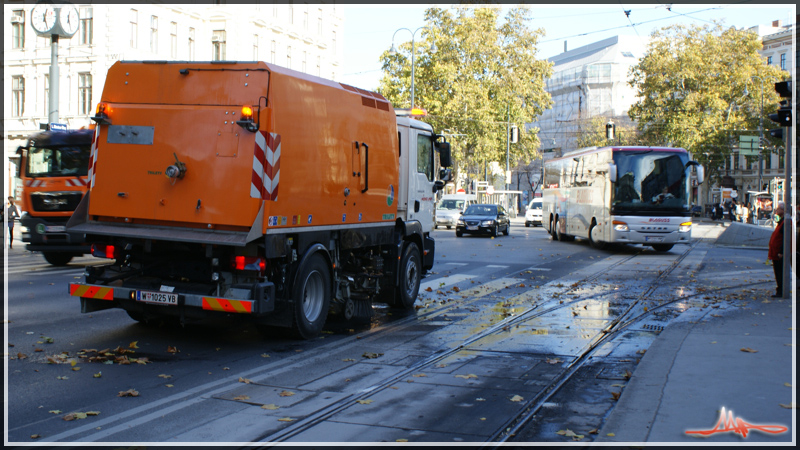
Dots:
pixel 392 51
pixel 760 131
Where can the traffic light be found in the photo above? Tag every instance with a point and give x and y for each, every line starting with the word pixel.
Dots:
pixel 777 133
pixel 784 114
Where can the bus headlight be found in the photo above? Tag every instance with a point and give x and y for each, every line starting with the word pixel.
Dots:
pixel 685 227
pixel 620 226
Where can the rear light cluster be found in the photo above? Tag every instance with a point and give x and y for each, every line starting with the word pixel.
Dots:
pixel 103 251
pixel 249 263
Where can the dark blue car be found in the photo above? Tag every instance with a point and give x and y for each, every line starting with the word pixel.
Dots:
pixel 483 218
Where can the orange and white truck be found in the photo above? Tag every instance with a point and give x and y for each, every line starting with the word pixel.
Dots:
pixel 245 188
pixel 53 171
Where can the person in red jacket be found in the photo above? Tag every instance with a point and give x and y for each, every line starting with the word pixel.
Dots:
pixel 775 253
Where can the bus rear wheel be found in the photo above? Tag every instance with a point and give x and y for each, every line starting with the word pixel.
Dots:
pixel 662 247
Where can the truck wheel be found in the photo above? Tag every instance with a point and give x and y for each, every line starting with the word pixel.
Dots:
pixel 410 277
pixel 312 297
pixel 57 259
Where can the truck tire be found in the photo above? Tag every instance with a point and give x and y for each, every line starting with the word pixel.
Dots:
pixel 57 258
pixel 410 276
pixel 311 297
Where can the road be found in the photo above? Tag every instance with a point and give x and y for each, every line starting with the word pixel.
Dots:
pixel 502 325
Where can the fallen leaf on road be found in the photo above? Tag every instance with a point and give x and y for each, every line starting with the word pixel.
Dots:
pixel 401 440
pixel 286 419
pixel 467 377
pixel 349 360
pixel 516 398
pixel 610 434
pixel 264 355
pixel 75 415
pixel 55 411
pixel 133 344
pixel 419 375
pixel 165 376
pixel 243 380
pixel 171 349
pixel 98 375
pixel 789 406
pixel 270 406
pixel 364 402
pixel 787 384
pixel 169 385
pixel 62 378
pixel 594 431
pixel 369 355
pixel 615 395
pixel 570 433
pixel 35 436
pixel 241 397
pixel 749 350
pixel 553 361
pixel 128 393
pixel 286 393
pixel 428 289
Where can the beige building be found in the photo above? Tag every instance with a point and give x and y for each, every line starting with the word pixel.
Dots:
pixel 304 37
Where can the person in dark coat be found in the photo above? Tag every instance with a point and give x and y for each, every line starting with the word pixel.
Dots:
pixel 775 253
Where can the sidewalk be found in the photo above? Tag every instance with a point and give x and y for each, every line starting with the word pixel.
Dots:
pixel 738 357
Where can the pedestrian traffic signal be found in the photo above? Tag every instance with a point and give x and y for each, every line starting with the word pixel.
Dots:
pixel 784 88
pixel 514 134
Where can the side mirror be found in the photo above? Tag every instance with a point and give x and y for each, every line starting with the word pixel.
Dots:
pixel 701 174
pixel 438 185
pixel 22 161
pixel 445 175
pixel 444 153
pixel 612 172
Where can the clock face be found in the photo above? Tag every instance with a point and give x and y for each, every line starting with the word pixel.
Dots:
pixel 43 17
pixel 69 19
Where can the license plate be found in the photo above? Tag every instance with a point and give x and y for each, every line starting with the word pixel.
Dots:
pixel 162 298
pixel 654 238
pixel 472 228
pixel 55 228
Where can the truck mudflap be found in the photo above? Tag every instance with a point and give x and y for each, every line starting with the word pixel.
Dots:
pixel 428 251
pixel 262 302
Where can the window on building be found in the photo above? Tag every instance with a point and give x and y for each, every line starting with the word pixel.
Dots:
pixel 134 27
pixel 333 43
pixel 17 96
pixel 18 28
pixel 84 93
pixel 191 44
pixel 319 22
pixel 319 71
pixel 87 26
pixel 173 40
pixel 291 14
pixel 218 41
pixel 305 54
pixel 769 60
pixel 272 50
pixel 255 48
pixel 289 57
pixel 154 34
pixel 783 61
pixel 305 19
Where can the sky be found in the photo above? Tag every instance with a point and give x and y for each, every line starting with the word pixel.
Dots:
pixel 368 29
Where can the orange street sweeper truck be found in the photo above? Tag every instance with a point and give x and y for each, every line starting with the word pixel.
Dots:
pixel 245 188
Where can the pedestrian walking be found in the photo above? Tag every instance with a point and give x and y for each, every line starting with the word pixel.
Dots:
pixel 775 253
pixel 12 213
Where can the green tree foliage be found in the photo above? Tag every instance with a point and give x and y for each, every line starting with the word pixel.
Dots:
pixel 483 74
pixel 699 88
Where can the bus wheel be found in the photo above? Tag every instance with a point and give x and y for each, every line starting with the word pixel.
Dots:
pixel 553 234
pixel 662 247
pixel 312 297
pixel 594 237
pixel 559 235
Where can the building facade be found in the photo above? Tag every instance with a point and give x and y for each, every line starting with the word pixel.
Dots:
pixel 307 38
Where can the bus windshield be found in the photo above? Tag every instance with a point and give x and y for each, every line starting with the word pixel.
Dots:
pixel 650 181
pixel 68 160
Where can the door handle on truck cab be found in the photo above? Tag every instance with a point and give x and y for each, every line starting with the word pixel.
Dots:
pixel 366 168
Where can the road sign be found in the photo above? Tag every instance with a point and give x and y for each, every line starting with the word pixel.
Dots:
pixel 748 145
pixel 58 126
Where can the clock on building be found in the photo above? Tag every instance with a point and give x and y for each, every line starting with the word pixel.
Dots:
pixel 68 19
pixel 43 18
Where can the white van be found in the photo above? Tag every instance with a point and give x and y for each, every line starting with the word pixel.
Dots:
pixel 450 208
pixel 533 215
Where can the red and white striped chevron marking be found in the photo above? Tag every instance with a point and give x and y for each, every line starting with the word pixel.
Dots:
pixel 266 166
pixel 93 157
pixel 35 183
pixel 76 182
